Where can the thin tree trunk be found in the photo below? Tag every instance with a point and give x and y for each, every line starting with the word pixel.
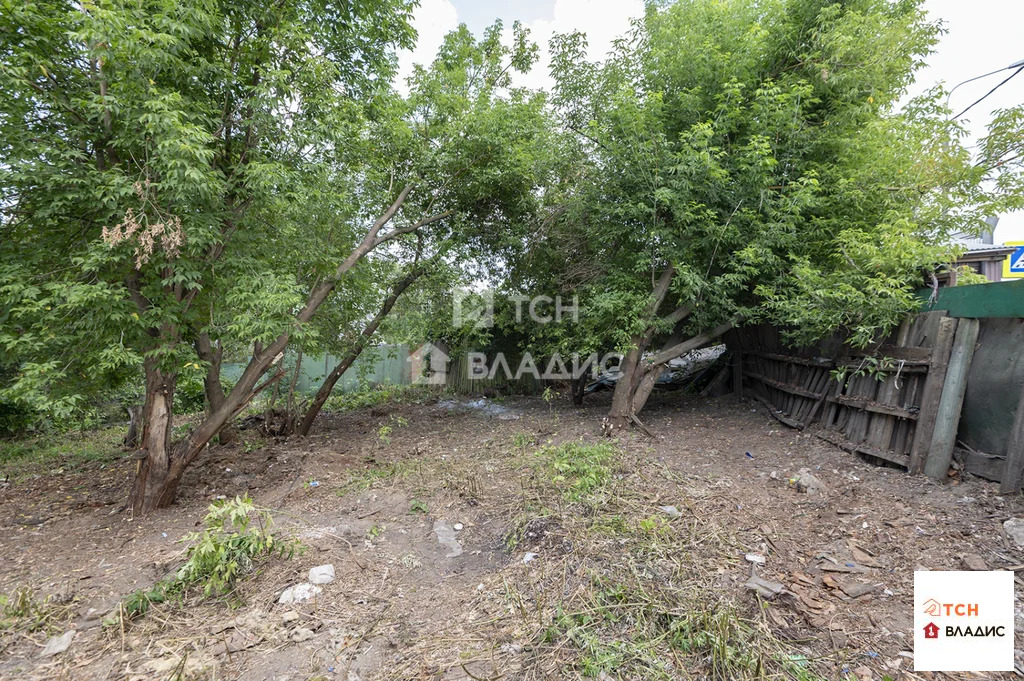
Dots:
pixel 336 373
pixel 131 440
pixel 212 355
pixel 325 390
pixel 289 412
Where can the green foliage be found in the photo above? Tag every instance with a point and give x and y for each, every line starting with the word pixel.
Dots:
pixel 70 451
pixel 15 418
pixel 140 141
pixel 967 276
pixel 386 393
pixel 176 170
pixel 237 536
pixel 523 440
pixel 878 368
pixel 418 506
pixel 752 150
pixel 655 526
pixel 579 470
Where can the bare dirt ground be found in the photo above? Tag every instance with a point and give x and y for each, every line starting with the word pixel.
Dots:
pixel 632 569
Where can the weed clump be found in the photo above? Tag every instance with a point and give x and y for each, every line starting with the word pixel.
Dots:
pixel 237 535
pixel 579 470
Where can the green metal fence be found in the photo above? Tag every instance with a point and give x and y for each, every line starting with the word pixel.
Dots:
pixel 376 366
pixel 999 299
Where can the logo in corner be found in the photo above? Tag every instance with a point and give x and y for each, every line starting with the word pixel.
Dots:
pixel 931 630
pixel 932 607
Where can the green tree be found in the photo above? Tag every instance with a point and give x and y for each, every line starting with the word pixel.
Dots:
pixel 742 160
pixel 179 175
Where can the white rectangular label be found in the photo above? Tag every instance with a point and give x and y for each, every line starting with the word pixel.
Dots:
pixel 963 621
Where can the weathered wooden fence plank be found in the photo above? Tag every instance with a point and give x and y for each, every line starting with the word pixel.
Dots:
pixel 932 393
pixel 1014 467
pixel 947 418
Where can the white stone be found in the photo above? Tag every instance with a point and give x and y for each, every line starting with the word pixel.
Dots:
pixel 58 644
pixel 670 510
pixel 1015 529
pixel 301 634
pixel 321 574
pixel 299 593
pixel 530 556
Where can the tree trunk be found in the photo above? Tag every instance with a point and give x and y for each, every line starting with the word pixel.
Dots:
pixel 639 379
pixel 131 439
pixel 161 469
pixel 288 427
pixel 325 391
pixel 619 416
pixel 211 383
pixel 332 378
pixel 155 486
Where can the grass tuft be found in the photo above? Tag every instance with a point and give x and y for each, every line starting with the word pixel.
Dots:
pixel 579 470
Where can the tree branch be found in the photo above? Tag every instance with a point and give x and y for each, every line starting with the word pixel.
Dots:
pixel 688 345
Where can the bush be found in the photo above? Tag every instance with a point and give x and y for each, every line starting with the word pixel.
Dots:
pixel 15 419
pixel 377 395
pixel 237 536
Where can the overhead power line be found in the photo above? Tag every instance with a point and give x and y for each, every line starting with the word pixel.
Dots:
pixel 1019 66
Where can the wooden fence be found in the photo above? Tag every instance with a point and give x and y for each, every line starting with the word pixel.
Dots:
pixel 898 401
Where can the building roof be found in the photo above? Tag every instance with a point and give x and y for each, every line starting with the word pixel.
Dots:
pixel 977 250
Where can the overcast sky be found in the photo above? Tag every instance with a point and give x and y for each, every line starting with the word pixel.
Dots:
pixel 982 36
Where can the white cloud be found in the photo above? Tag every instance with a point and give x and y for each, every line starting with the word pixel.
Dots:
pixel 433 20
pixel 601 20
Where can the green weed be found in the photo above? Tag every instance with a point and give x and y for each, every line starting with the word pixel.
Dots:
pixel 22 611
pixel 523 440
pixel 378 395
pixel 579 470
pixel 237 535
pixel 69 451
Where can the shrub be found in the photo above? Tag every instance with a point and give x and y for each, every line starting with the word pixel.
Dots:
pixel 238 534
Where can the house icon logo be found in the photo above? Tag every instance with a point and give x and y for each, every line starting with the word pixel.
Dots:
pixel 932 607
pixel 931 630
pixel 429 364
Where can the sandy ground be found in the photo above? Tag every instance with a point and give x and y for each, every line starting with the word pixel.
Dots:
pixel 404 607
